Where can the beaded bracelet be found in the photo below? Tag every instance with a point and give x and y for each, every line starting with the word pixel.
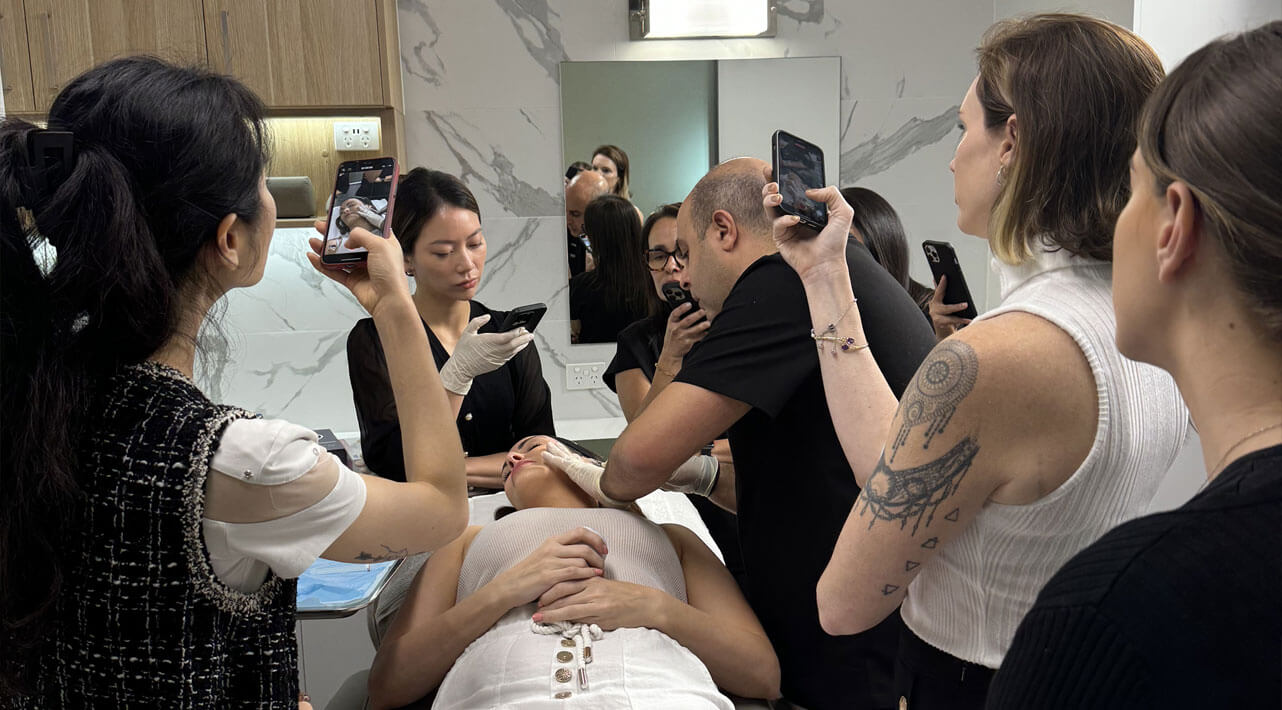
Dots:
pixel 830 334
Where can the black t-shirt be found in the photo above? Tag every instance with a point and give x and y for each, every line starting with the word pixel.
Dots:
pixel 638 348
pixel 1175 610
pixel 501 408
pixel 793 483
pixel 599 320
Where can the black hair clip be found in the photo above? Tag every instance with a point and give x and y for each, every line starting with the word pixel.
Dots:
pixel 51 155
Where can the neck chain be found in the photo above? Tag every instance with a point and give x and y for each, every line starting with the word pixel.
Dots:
pixel 1216 468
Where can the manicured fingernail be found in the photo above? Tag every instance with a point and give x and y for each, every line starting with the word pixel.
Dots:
pixel 600 572
pixel 538 616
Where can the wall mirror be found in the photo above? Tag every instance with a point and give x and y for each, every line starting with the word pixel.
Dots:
pixel 674 120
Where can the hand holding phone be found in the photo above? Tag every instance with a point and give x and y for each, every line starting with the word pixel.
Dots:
pixel 799 166
pixel 944 265
pixel 364 196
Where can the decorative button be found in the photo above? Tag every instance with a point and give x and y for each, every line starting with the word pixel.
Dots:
pixel 467 417
pixel 564 656
pixel 248 473
pixel 563 695
pixel 568 643
pixel 563 675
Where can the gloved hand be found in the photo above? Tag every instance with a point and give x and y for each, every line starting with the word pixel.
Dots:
pixel 585 473
pixel 479 353
pixel 697 475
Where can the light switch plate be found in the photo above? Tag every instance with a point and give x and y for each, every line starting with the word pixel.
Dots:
pixel 357 135
pixel 584 376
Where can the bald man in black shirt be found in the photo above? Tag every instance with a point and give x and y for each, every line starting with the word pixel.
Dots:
pixel 756 374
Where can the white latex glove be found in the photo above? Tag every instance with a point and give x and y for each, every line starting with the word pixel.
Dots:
pixel 698 475
pixel 479 353
pixel 585 473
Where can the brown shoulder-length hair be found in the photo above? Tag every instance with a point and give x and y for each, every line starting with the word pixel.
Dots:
pixel 1077 85
pixel 620 158
pixel 1213 125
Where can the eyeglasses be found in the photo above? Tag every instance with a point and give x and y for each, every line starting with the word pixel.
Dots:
pixel 657 259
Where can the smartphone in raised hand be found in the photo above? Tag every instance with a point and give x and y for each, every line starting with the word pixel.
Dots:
pixel 364 196
pixel 799 166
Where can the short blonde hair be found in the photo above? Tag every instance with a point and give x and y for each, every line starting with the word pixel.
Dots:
pixel 1077 85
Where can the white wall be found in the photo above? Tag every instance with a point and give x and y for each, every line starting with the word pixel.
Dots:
pixel 1175 28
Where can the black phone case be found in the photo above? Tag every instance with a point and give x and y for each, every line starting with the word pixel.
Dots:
pixel 774 172
pixel 675 295
pixel 946 264
pixel 528 316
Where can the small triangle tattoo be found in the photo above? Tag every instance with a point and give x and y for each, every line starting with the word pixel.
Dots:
pixel 952 517
pixel 889 589
pixel 930 544
pixel 910 566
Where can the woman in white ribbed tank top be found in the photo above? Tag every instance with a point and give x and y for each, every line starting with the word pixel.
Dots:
pixel 1026 435
pixel 564 604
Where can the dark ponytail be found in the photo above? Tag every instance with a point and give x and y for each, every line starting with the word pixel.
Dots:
pixel 159 156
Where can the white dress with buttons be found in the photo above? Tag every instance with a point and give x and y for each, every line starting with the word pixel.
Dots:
pixel 274 500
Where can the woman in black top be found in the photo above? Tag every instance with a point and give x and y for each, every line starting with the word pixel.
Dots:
pixel 439 223
pixel 616 293
pixel 1184 609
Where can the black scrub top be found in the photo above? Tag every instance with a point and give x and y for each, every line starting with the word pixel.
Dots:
pixel 638 348
pixel 503 406
pixel 794 486
pixel 599 321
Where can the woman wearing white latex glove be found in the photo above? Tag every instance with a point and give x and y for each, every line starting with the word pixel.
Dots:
pixel 495 378
pixel 479 353
pixel 698 475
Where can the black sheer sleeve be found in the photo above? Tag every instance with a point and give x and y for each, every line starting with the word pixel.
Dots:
pixel 375 404
pixel 533 411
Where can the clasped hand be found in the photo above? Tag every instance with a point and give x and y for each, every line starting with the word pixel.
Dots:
pixel 608 603
pixel 572 556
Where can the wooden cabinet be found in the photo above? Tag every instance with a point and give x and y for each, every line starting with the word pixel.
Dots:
pixel 15 58
pixel 318 53
pixel 66 37
pixel 295 54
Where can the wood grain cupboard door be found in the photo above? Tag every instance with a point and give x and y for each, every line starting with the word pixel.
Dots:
pixel 325 53
pixel 236 37
pixel 61 44
pixel 15 58
pixel 173 30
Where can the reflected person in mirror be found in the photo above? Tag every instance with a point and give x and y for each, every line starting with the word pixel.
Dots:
pixel 582 189
pixel 617 292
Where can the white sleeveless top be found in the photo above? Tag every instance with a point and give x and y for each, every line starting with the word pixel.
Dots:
pixel 969 600
pixel 514 666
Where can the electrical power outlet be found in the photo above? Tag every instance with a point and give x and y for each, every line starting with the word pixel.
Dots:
pixel 357 135
pixel 584 376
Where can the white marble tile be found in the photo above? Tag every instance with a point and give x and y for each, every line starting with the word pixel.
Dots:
pixel 479 53
pixel 510 158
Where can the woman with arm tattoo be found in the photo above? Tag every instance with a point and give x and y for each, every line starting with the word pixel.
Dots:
pixel 1026 435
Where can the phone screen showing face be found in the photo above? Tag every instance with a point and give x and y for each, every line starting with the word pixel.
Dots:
pixel 799 166
pixel 364 193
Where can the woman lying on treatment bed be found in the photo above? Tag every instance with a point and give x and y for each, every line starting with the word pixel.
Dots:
pixel 567 604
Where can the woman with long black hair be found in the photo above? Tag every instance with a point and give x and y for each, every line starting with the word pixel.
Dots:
pixel 618 291
pixel 149 536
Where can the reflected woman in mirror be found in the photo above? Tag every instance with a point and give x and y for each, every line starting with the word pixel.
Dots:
pixel 612 163
pixel 617 292
pixel 496 379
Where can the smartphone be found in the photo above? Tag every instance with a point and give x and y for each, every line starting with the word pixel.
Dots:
pixel 364 195
pixel 675 295
pixel 527 316
pixel 943 262
pixel 799 166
